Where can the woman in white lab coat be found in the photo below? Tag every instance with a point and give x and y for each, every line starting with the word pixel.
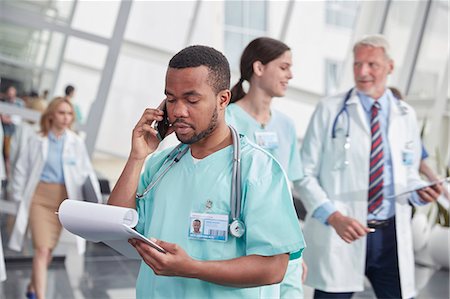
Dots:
pixel 53 167
pixel 338 172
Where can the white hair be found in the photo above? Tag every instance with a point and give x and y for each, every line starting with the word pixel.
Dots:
pixel 375 40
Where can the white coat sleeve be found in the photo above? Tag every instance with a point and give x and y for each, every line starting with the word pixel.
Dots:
pixel 21 172
pixel 414 180
pixel 311 192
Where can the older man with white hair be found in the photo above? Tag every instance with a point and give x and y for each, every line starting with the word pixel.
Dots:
pixel 360 152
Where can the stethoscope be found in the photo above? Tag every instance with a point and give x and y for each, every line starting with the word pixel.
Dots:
pixel 344 110
pixel 237 226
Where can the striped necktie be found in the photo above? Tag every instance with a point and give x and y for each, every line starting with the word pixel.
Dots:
pixel 376 163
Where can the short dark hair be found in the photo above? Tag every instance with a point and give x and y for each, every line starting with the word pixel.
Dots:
pixel 215 61
pixel 69 89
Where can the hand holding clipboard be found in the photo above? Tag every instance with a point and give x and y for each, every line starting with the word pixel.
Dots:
pixel 447 179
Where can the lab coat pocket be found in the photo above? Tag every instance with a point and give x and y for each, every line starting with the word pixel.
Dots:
pixel 339 148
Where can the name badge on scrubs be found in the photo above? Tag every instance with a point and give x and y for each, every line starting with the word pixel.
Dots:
pixel 266 140
pixel 203 226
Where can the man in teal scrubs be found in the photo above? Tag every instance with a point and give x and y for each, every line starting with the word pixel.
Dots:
pixel 212 263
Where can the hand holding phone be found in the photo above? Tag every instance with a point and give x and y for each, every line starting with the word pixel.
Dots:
pixel 162 126
pixel 149 131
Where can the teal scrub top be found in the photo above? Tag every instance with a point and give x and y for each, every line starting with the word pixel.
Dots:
pixel 287 152
pixel 204 186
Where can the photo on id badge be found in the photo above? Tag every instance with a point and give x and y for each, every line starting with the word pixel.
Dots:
pixel 267 140
pixel 206 226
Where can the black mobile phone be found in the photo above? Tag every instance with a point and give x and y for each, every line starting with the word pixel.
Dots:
pixel 163 126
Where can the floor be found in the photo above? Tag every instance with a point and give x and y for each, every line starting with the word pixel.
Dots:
pixel 102 273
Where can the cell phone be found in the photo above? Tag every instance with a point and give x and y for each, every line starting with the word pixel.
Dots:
pixel 163 126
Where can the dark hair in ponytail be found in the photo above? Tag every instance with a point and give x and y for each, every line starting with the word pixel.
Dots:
pixel 263 49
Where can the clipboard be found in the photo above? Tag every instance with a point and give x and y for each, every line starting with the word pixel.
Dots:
pixel 447 179
pixel 109 224
pixel 123 247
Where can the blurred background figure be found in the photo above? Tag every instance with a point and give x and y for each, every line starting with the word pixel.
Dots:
pixel 45 94
pixel 360 150
pixel 9 123
pixel 69 92
pixel 23 132
pixel 52 167
pixel 18 144
pixel 266 65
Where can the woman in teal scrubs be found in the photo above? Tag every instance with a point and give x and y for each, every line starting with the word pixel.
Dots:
pixel 266 66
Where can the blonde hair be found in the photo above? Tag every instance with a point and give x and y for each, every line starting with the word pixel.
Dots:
pixel 376 41
pixel 47 116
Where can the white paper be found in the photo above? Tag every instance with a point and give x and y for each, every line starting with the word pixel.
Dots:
pixel 103 223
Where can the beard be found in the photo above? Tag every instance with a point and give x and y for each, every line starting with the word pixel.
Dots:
pixel 205 133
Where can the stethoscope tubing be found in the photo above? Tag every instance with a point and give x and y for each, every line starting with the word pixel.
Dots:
pixel 343 110
pixel 180 150
pixel 403 109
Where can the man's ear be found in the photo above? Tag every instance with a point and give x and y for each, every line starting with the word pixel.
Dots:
pixel 223 98
pixel 391 66
pixel 258 68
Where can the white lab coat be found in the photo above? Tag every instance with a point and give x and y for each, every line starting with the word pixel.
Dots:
pixel 19 142
pixel 76 167
pixel 336 266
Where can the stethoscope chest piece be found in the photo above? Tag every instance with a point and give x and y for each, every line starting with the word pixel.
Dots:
pixel 237 228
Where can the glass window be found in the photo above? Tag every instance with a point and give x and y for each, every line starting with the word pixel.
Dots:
pixel 332 72
pixel 96 17
pixel 53 11
pixel 433 53
pixel 85 53
pixel 27 55
pixel 24 44
pixel 85 81
pixel 137 84
pixel 54 50
pixel 398 31
pixel 341 13
pixel 161 25
pixel 244 21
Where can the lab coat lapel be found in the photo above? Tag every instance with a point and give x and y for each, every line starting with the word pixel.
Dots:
pixel 356 112
pixel 44 147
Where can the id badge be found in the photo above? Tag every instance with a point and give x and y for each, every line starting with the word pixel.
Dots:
pixel 70 160
pixel 266 140
pixel 408 157
pixel 204 226
pixel 408 154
